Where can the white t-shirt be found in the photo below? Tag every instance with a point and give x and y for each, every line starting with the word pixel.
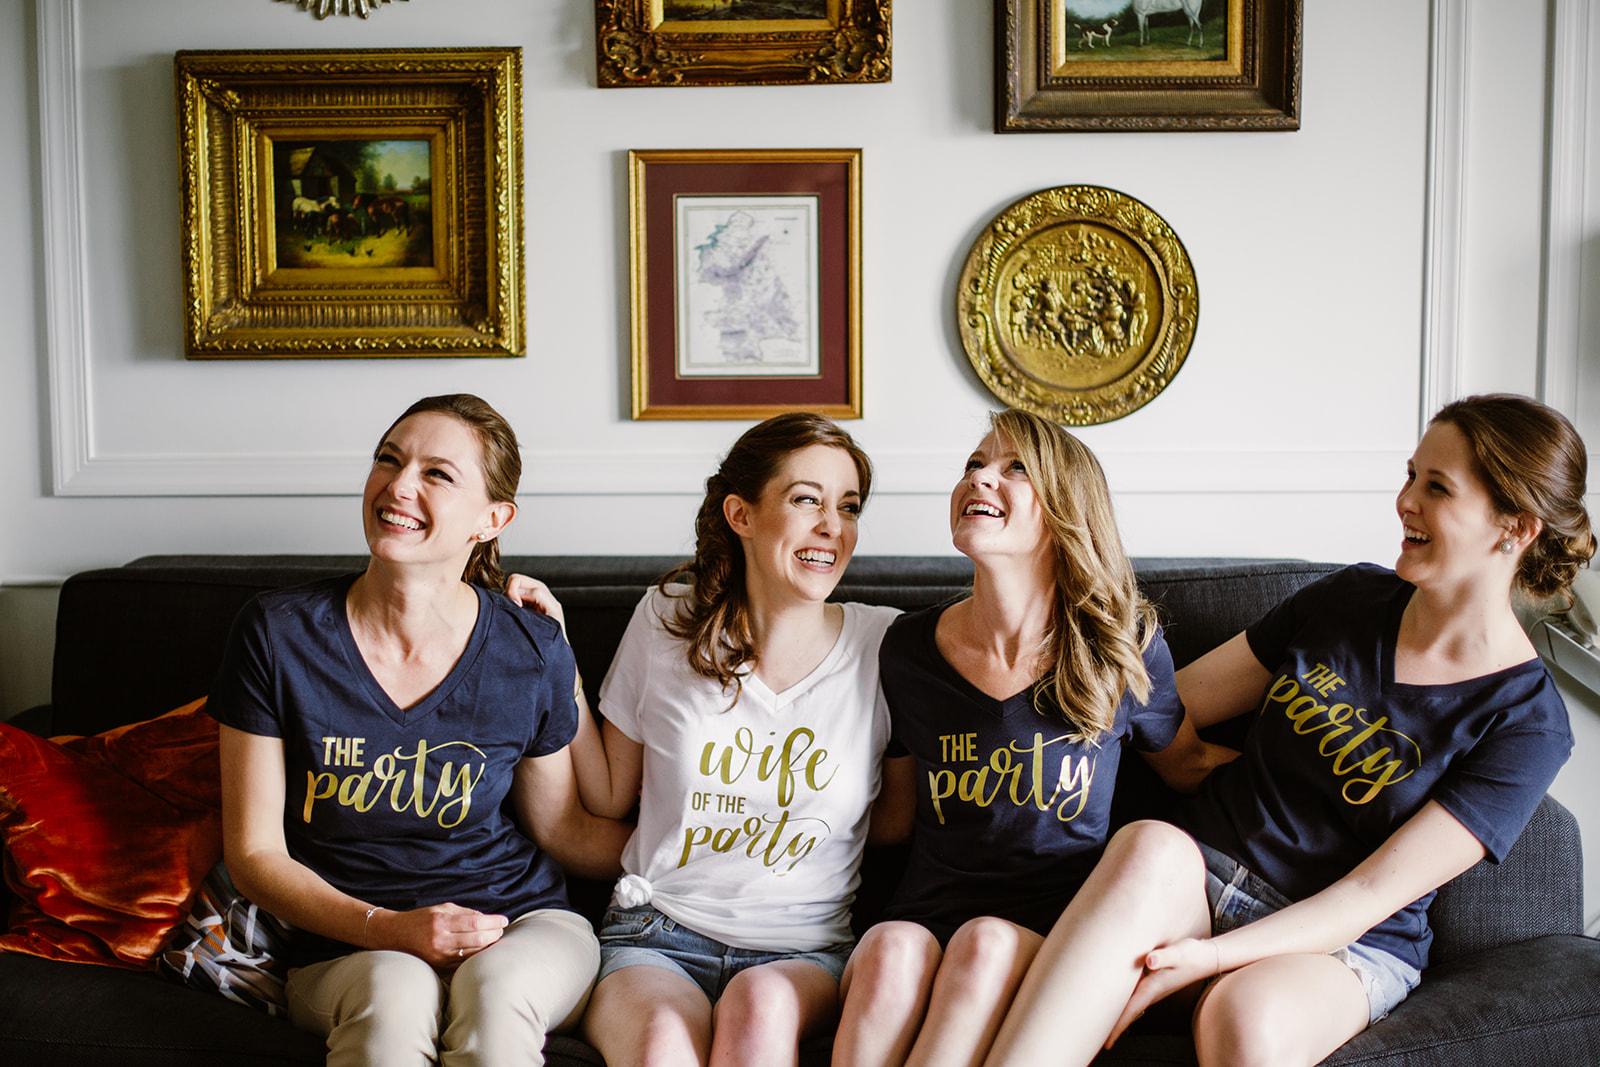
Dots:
pixel 751 818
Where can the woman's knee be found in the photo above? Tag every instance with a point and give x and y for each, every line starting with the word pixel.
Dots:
pixel 894 956
pixel 1243 1020
pixel 1154 854
pixel 372 1006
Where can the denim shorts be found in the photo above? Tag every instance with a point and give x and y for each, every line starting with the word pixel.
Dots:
pixel 644 937
pixel 1238 898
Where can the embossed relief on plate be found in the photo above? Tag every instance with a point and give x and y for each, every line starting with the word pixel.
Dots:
pixel 1078 303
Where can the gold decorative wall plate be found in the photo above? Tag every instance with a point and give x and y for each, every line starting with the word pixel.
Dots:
pixel 1079 304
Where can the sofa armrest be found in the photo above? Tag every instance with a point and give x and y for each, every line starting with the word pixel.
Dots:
pixel 1536 890
pixel 1535 1003
pixel 36 720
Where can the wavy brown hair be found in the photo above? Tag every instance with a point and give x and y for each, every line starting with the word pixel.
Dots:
pixel 500 458
pixel 1532 462
pixel 1100 622
pixel 713 620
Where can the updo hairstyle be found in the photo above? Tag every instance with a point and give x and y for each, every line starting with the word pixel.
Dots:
pixel 714 620
pixel 500 459
pixel 1534 463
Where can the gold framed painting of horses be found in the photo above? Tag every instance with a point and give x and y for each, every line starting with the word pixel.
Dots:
pixel 1147 65
pixel 351 203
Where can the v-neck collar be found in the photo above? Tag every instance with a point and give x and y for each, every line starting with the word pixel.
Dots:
pixel 1001 707
pixel 777 701
pixel 1390 647
pixel 379 696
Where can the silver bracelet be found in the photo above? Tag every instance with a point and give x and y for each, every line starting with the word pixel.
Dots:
pixel 367 922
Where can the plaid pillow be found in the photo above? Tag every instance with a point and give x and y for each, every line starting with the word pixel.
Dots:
pixel 230 946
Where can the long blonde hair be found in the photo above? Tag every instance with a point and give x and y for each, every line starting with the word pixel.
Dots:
pixel 1100 622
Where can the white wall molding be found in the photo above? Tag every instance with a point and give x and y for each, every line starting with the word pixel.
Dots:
pixel 82 467
pixel 1448 60
pixel 1561 337
pixel 65 259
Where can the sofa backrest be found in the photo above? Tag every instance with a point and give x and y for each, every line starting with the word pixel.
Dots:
pixel 138 640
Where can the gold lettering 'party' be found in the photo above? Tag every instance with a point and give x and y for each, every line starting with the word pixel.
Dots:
pixel 1358 748
pixel 796 760
pixel 404 775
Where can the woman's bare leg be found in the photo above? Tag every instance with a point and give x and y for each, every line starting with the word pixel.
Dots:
pixel 646 1016
pixel 765 1011
pixel 885 992
pixel 1148 890
pixel 983 966
pixel 1281 1012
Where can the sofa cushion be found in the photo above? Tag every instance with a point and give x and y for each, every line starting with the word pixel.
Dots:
pixel 107 837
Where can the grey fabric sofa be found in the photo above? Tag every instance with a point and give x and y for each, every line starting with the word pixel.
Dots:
pixel 1514 981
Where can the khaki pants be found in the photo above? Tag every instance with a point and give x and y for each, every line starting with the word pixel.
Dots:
pixel 383 1008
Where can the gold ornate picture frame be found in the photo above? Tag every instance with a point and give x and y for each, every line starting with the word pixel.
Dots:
pixel 1158 65
pixel 1078 303
pixel 351 203
pixel 746 282
pixel 741 42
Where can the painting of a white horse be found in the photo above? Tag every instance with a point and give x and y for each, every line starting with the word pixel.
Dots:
pixel 1143 9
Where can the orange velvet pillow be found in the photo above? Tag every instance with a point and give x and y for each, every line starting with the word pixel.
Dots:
pixel 108 837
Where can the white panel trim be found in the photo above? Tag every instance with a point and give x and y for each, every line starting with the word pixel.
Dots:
pixel 1442 272
pixel 1560 342
pixel 66 291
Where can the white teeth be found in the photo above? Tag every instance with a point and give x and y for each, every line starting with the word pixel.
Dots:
pixel 978 507
pixel 817 556
pixel 399 520
pixel 1417 538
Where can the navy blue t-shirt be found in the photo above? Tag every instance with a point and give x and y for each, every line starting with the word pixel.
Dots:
pixel 403 808
pixel 1340 754
pixel 1011 815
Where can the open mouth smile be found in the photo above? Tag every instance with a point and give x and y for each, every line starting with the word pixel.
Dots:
pixel 979 507
pixel 394 518
pixel 816 557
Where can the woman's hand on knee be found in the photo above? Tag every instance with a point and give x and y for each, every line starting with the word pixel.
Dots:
pixel 443 935
pixel 1167 970
pixel 532 593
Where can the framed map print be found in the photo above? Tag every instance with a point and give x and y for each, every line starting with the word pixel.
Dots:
pixel 746 283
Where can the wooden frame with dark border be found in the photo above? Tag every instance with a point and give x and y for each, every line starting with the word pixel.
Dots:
pixel 656 180
pixel 1257 86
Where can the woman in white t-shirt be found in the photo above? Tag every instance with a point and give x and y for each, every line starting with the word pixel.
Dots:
pixel 742 712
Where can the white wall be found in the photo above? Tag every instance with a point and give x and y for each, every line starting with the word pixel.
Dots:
pixel 1284 434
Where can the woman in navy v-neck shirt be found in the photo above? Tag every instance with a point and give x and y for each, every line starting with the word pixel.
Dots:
pixel 378 730
pixel 1404 729
pixel 1009 711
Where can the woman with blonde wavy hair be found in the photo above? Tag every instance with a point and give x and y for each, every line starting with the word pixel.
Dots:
pixel 1008 712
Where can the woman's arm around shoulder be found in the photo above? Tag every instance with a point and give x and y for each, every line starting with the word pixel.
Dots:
pixel 547 805
pixel 253 789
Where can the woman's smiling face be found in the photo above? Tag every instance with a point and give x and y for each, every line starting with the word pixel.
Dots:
pixel 799 536
pixel 425 498
pixel 993 508
pixel 1450 527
